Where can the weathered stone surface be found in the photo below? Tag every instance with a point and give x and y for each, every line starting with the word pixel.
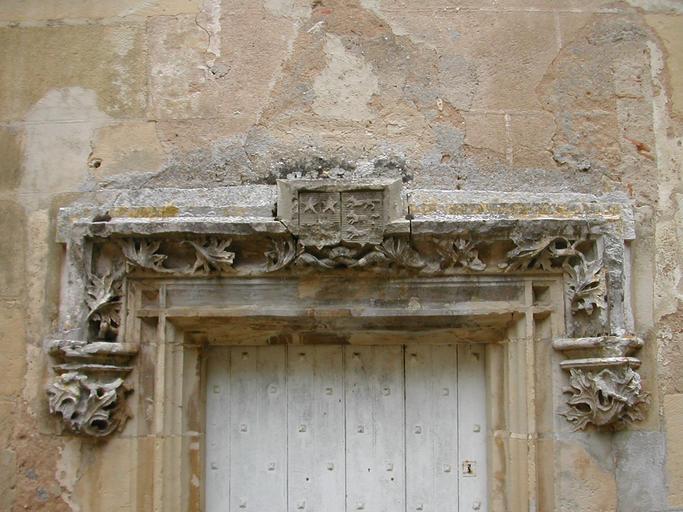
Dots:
pixel 637 489
pixel 12 349
pixel 230 78
pixel 61 123
pixel 32 10
pixel 673 414
pixel 668 28
pixel 8 478
pixel 12 250
pixel 109 60
pixel 125 148
pixel 589 485
pixel 11 162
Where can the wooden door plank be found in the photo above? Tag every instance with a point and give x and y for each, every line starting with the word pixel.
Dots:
pixel 473 429
pixel 375 425
pixel 217 445
pixel 258 462
pixel 431 428
pixel 316 429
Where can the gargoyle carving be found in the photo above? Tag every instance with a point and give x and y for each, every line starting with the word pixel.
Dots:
pixel 611 397
pixel 89 408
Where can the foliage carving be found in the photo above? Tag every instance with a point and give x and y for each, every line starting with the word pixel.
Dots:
pixel 611 398
pixel 90 408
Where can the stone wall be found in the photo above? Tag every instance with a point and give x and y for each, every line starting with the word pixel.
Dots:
pixel 503 95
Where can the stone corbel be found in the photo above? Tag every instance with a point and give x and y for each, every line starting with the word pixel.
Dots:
pixel 88 390
pixel 604 389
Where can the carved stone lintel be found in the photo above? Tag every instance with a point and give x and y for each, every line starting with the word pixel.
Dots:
pixel 604 390
pixel 368 228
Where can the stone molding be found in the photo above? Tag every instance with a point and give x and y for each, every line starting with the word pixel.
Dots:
pixel 583 243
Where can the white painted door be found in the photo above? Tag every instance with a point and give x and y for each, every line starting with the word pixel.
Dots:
pixel 346 428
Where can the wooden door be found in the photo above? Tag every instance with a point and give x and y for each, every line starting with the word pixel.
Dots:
pixel 345 428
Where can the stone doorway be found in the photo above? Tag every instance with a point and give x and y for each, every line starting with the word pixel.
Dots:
pixel 539 284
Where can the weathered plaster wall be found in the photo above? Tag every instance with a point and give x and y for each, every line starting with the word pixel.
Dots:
pixel 510 95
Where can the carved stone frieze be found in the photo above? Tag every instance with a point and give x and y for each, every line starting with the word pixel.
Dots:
pixel 542 254
pixel 459 252
pixel 211 255
pixel 391 253
pixel 103 299
pixel 142 253
pixel 586 287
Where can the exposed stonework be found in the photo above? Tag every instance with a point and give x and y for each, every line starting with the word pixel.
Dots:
pixel 142 109
pixel 91 398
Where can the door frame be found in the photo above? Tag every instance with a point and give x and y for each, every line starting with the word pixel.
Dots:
pixel 121 330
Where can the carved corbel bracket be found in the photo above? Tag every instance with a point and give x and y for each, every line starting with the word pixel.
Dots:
pixel 88 390
pixel 604 388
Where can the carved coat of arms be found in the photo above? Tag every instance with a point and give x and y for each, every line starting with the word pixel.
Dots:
pixel 332 217
pixel 328 214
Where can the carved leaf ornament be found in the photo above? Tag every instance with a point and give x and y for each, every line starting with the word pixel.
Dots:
pixel 609 397
pixel 586 286
pixel 91 408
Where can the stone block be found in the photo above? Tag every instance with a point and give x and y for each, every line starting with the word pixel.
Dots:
pixel 125 148
pixel 33 10
pixel 10 163
pixel 490 60
pixel 232 79
pixel 673 418
pixel 669 28
pixel 640 473
pixel 109 60
pixel 531 138
pixel 584 483
pixel 12 349
pixel 486 131
pixel 12 249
